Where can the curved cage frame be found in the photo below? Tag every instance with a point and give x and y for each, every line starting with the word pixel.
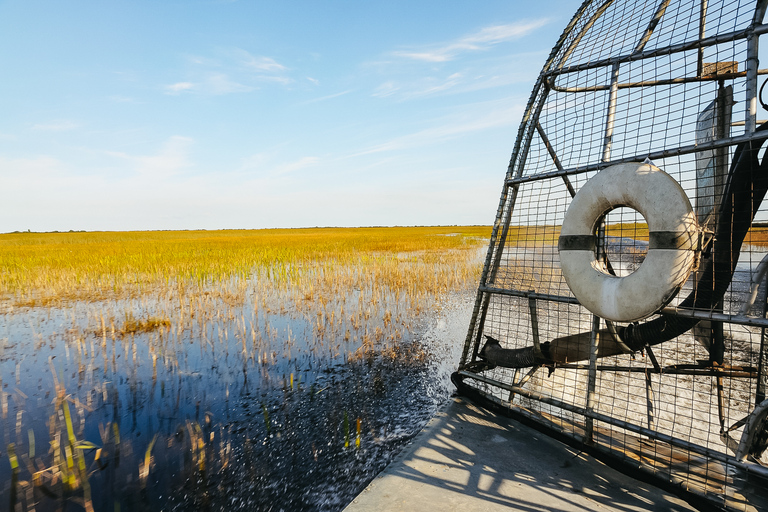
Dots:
pixel 676 84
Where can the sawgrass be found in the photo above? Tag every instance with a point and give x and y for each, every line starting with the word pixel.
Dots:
pixel 41 268
pixel 142 304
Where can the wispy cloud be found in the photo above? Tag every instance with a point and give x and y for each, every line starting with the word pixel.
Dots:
pixel 388 88
pixel 421 87
pixel 38 166
pixel 480 40
pixel 325 98
pixel 255 69
pixel 405 83
pixel 468 63
pixel 262 64
pixel 117 98
pixel 169 161
pixel 477 118
pixel 56 126
pixel 230 70
pixel 301 163
pixel 179 87
pixel 220 83
pixel 253 162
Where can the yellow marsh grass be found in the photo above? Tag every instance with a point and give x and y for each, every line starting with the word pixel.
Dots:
pixel 38 269
pixel 360 290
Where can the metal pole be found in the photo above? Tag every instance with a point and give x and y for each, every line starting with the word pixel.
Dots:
pixel 611 115
pixel 591 381
pixel 752 65
pixel 649 399
pixel 702 35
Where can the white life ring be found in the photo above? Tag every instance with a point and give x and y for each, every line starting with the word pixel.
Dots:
pixel 673 242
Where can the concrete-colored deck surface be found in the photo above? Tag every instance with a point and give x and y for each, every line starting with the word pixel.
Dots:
pixel 468 459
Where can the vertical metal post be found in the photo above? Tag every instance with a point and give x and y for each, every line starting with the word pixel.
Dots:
pixel 535 326
pixel 514 381
pixel 750 119
pixel 593 343
pixel 649 399
pixel 589 430
pixel 702 35
pixel 611 115
pixel 720 401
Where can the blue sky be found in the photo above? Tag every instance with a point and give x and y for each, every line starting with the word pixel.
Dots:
pixel 214 114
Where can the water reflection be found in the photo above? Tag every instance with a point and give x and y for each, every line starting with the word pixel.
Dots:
pixel 212 400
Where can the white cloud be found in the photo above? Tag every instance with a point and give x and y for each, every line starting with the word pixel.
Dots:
pixel 388 88
pixel 491 71
pixel 263 64
pixel 462 65
pixel 12 169
pixel 301 163
pixel 480 40
pixel 169 161
pixel 56 126
pixel 232 70
pixel 122 99
pixel 179 87
pixel 430 85
pixel 252 162
pixel 479 117
pixel 328 97
pixel 219 83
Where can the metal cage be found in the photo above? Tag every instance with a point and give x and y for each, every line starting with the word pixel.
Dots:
pixel 679 394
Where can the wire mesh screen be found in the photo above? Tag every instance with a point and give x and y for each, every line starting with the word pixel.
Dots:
pixel 634 89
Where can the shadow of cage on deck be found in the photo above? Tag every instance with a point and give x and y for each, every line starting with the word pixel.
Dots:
pixel 680 393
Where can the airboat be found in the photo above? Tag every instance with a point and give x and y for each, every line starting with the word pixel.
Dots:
pixel 622 304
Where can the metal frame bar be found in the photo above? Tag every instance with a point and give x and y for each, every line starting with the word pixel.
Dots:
pixel 611 113
pixel 631 427
pixel 546 82
pixel 668 310
pixel 699 372
pixel 649 399
pixel 556 160
pixel 660 10
pixel 702 35
pixel 681 150
pixel 576 40
pixel 594 340
pixel 535 326
pixel 522 143
pixel 752 64
pixel 667 50
pixel 655 83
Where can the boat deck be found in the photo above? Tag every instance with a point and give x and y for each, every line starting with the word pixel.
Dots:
pixel 469 458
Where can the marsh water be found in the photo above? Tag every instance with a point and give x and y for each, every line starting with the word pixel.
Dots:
pixel 233 405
